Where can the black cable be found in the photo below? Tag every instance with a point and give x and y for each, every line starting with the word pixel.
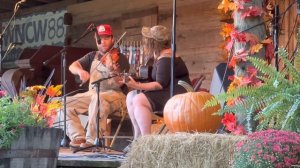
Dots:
pixel 293 31
pixel 226 68
pixel 292 56
pixel 294 52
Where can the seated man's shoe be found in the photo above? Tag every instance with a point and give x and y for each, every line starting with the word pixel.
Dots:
pixel 75 143
pixel 87 145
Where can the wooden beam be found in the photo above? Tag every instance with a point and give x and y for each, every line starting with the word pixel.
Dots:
pixel 50 7
pixel 44 1
pixel 7 4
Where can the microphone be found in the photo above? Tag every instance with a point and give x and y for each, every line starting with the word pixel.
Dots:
pixel 18 5
pixel 20 2
pixel 98 39
pixel 93 28
pixel 68 19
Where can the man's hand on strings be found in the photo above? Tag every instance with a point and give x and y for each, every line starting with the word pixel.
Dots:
pixel 116 67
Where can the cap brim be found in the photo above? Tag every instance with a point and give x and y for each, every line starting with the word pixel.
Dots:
pixel 146 32
pixel 104 34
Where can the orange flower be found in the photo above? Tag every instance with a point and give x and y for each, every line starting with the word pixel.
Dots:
pixel 54 90
pixel 226 30
pixel 227 5
pixel 42 107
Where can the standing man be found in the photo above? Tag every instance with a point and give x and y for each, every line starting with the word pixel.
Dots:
pixel 94 66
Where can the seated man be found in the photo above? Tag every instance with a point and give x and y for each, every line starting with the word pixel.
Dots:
pixel 94 66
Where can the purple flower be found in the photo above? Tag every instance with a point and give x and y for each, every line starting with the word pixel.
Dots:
pixel 275 148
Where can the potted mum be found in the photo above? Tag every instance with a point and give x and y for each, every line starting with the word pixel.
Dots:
pixel 25 121
pixel 270 148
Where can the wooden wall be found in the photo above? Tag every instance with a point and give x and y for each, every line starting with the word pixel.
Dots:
pixel 198 26
pixel 290 24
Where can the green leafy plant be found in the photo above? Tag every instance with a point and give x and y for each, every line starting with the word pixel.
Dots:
pixel 275 103
pixel 33 107
pixel 270 148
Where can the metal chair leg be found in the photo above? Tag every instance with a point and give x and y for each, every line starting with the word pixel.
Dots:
pixel 118 130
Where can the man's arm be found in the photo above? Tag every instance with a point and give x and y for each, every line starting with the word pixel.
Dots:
pixel 77 69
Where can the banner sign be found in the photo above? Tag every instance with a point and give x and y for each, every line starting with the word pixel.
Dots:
pixel 36 30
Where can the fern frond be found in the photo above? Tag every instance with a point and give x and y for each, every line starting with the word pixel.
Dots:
pixel 291 113
pixel 290 68
pixel 267 111
pixel 266 69
pixel 212 102
pixel 223 97
pixel 297 55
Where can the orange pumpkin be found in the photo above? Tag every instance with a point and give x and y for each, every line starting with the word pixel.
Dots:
pixel 183 113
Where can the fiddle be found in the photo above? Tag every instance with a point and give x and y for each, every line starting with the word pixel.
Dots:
pixel 114 54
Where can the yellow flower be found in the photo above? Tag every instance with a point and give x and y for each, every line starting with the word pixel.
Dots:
pixel 42 106
pixel 36 87
pixel 255 49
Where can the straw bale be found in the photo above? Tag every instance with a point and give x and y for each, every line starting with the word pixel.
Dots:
pixel 182 150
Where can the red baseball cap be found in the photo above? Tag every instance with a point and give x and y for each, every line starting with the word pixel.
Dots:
pixel 104 29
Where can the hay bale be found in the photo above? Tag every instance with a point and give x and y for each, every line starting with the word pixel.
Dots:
pixel 199 150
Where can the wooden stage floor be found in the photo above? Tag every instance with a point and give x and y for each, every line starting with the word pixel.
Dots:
pixel 107 158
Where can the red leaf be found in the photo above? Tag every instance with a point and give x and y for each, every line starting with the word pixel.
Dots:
pixel 251 38
pixel 229 45
pixel 252 11
pixel 270 51
pixel 240 37
pixel 252 70
pixel 241 55
pixel 229 121
pixel 232 62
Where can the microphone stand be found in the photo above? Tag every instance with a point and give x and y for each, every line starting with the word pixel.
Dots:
pixel 276 35
pixel 173 49
pixel 97 143
pixel 88 31
pixel 4 31
pixel 62 53
pixel 173 45
pixel 64 141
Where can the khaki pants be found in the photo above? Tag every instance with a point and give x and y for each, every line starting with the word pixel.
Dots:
pixel 83 103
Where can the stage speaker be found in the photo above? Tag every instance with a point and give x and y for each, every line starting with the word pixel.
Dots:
pixel 217 85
